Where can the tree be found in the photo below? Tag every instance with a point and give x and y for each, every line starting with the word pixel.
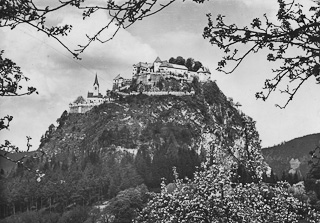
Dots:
pixel 189 63
pixel 313 174
pixel 123 15
pixel 10 86
pixel 172 60
pixel 126 204
pixel 180 60
pixel 294 30
pixel 214 194
pixel 197 65
pixel 10 79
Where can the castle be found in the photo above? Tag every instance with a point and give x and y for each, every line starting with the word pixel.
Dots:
pixel 151 73
pixel 157 78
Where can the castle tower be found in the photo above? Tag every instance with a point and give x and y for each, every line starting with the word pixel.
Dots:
pixel 96 87
pixel 156 64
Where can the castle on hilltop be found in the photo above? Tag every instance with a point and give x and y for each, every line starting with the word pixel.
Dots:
pixel 157 78
pixel 150 74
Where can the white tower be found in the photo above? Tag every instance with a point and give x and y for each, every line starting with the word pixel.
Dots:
pixel 156 64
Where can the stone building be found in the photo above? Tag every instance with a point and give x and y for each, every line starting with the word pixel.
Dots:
pixel 94 98
pixel 120 83
pixel 150 73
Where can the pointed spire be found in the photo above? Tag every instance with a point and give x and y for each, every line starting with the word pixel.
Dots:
pixel 158 60
pixel 96 81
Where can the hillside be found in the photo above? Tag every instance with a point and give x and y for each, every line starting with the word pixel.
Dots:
pixel 296 150
pixel 140 120
pixel 133 142
pixel 166 129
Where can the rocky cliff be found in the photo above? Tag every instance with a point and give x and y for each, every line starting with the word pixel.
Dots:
pixel 163 126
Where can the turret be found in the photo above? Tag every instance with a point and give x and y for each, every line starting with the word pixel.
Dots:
pixel 156 64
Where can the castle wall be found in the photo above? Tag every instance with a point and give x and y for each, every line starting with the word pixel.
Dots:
pixel 95 100
pixel 176 93
pixel 149 79
pixel 80 108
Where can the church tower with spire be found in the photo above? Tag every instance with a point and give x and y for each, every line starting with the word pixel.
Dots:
pixel 95 96
pixel 96 87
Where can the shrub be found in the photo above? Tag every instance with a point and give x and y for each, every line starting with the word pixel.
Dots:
pixel 77 215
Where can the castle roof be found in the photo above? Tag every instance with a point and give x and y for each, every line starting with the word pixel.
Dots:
pixel 142 64
pixel 96 81
pixel 157 60
pixel 79 100
pixel 171 65
pixel 118 77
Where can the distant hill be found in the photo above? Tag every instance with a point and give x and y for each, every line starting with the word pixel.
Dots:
pixel 291 155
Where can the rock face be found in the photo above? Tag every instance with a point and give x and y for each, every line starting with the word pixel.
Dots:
pixel 167 125
pixel 292 156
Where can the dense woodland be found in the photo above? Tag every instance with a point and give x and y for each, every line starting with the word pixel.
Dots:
pixel 90 180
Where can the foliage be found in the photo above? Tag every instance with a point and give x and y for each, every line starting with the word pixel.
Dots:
pixel 313 176
pixel 10 86
pixel 208 199
pixel 123 15
pixel 10 78
pixel 294 30
pixel 61 121
pixel 215 193
pixel 76 215
pixel 125 205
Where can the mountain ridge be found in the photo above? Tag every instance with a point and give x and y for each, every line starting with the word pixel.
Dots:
pixel 295 152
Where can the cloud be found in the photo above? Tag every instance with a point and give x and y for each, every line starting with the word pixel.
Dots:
pixel 58 77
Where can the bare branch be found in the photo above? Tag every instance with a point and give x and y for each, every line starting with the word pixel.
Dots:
pixel 277 38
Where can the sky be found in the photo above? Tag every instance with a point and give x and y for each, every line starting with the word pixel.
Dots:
pixel 175 31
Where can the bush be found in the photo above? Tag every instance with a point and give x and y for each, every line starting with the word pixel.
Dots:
pixel 77 215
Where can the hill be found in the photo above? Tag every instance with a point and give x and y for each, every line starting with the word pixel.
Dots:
pixel 133 142
pixel 154 133
pixel 292 155
pixel 137 121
